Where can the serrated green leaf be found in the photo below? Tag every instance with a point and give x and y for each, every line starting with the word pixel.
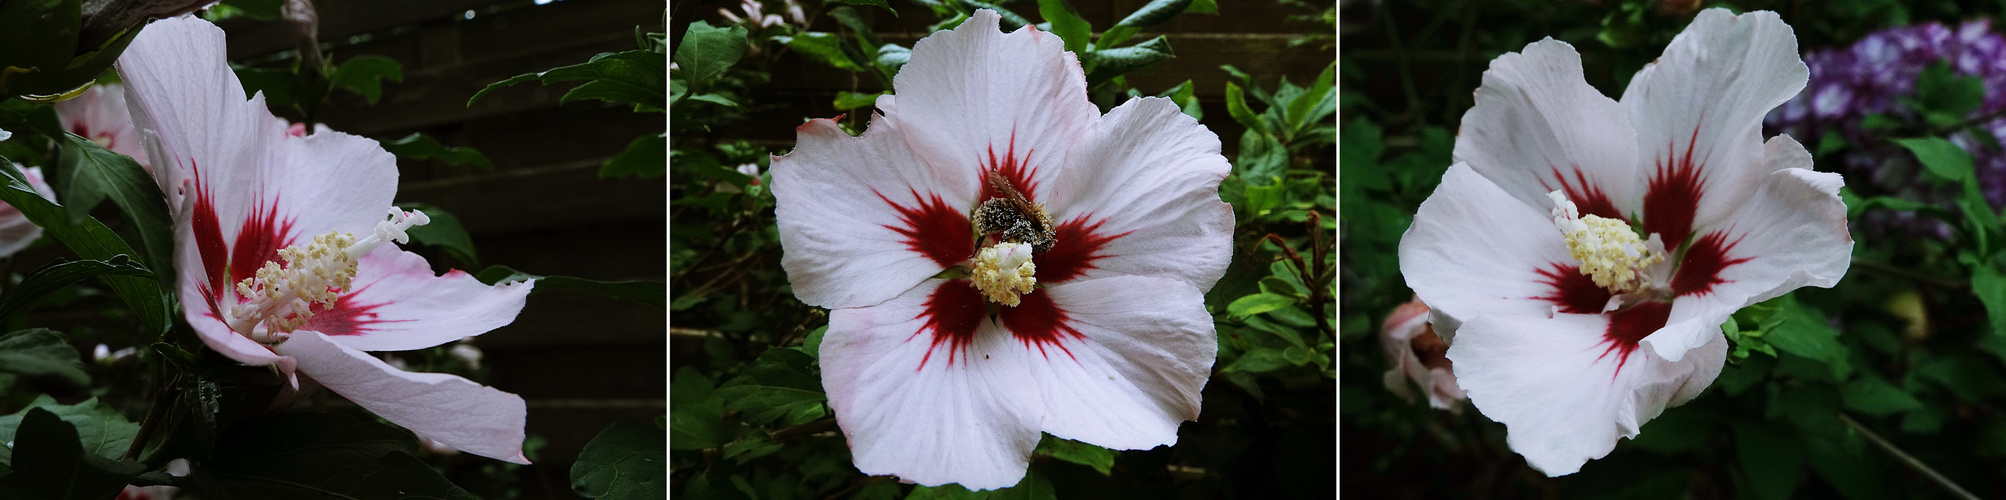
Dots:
pixel 1110 63
pixel 90 240
pixel 444 231
pixel 1803 332
pixel 707 51
pixel 90 174
pixel 652 293
pixel 365 74
pixel 41 353
pixel 419 146
pixel 1067 23
pixel 647 157
pixel 625 461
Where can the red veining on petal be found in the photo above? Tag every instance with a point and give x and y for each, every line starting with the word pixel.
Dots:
pixel 1674 194
pixel 1573 292
pixel 1038 322
pixel 934 229
pixel 347 317
pixel 1077 247
pixel 1018 171
pixel 259 240
pixel 1629 326
pixel 953 313
pixel 1700 270
pixel 1588 198
pixel 208 231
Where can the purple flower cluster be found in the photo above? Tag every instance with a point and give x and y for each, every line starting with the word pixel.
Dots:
pixel 1873 77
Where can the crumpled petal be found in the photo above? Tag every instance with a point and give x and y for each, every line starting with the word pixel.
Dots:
pixel 953 417
pixel 467 416
pixel 1557 386
pixel 1474 249
pixel 1538 127
pixel 100 114
pixel 1403 335
pixel 1149 174
pixel 1144 350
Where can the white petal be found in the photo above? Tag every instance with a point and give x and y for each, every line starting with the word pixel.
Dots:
pixel 16 231
pixel 1538 127
pixel 1149 173
pixel 1144 349
pixel 842 204
pixel 189 107
pixel 976 97
pixel 968 417
pixel 397 304
pixel 1789 233
pixel 1704 100
pixel 469 417
pixel 100 115
pixel 1474 249
pixel 1556 386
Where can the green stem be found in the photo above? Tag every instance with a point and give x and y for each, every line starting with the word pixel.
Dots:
pixel 1933 475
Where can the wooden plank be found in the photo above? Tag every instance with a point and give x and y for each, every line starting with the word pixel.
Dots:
pixel 544 197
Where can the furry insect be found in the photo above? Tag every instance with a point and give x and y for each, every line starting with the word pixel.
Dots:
pixel 1012 217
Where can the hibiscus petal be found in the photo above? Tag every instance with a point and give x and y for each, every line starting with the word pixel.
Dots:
pixel 1144 349
pixel 458 412
pixel 189 107
pixel 862 219
pixel 1538 127
pixel 976 97
pixel 16 231
pixel 1790 232
pixel 967 416
pixel 397 304
pixel 100 115
pixel 1474 249
pixel 1698 114
pixel 1151 198
pixel 1559 390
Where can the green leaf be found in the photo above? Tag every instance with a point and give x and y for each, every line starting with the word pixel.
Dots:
pixel 318 455
pixel 696 430
pixel 1100 459
pixel 1990 287
pixel 846 101
pixel 826 48
pixel 1317 103
pixel 419 146
pixel 1110 63
pixel 1152 14
pixel 624 461
pixel 647 157
pixel 1185 95
pixel 891 57
pixel 1939 90
pixel 1236 104
pixel 444 231
pixel 41 353
pixel 874 3
pixel 813 344
pixel 1771 458
pixel 1257 360
pixel 40 54
pixel 1262 162
pixel 90 240
pixel 365 74
pixel 1258 303
pixel 46 279
pixel 777 386
pixel 633 77
pixel 652 293
pixel 707 51
pixel 1034 487
pixel 52 460
pixel 1204 7
pixel 1941 158
pixel 90 173
pixel 1803 332
pixel 1872 396
pixel 1068 24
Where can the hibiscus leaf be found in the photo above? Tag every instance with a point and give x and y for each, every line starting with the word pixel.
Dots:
pixel 41 353
pixel 318 455
pixel 874 3
pixel 1100 459
pixel 1110 63
pixel 1258 303
pixel 647 292
pixel 624 461
pixel 1236 104
pixel 647 157
pixel 1802 331
pixel 1154 13
pixel 100 430
pixel 1257 360
pixel 1770 456
pixel 1067 23
pixel 419 146
pixel 365 74
pixel 444 231
pixel 777 386
pixel 46 279
pixel 1035 486
pixel 826 48
pixel 1876 397
pixel 90 174
pixel 1941 158
pixel 1945 93
pixel 707 51
pixel 90 239
pixel 1315 103
pixel 52 460
pixel 1990 288
pixel 1185 95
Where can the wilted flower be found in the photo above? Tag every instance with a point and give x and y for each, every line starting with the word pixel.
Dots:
pixel 270 269
pixel 1583 253
pixel 1001 260
pixel 1419 357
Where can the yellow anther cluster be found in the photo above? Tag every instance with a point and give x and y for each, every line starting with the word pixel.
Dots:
pixel 1610 253
pixel 284 296
pixel 1004 272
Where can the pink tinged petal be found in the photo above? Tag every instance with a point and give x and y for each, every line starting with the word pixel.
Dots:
pixel 1789 233
pixel 1418 357
pixel 974 97
pixel 1698 115
pixel 1562 396
pixel 100 115
pixel 863 219
pixel 397 304
pixel 1151 200
pixel 1538 127
pixel 1142 350
pixel 467 416
pixel 973 422
pixel 1474 249
pixel 188 106
pixel 16 231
